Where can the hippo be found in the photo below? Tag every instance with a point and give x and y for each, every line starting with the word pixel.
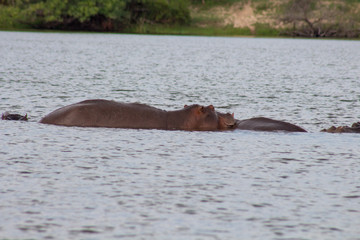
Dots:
pixel 105 113
pixel 228 122
pixel 267 124
pixel 355 128
pixel 16 117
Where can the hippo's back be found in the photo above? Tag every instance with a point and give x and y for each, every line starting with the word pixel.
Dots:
pixel 104 113
pixel 267 124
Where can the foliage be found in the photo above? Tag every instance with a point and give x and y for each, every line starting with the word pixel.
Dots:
pixel 190 30
pixel 264 29
pixel 8 17
pixel 215 2
pixel 93 14
pixel 263 6
pixel 159 11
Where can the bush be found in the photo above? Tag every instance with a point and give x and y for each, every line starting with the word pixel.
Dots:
pixel 159 11
pixel 264 29
pixel 11 18
pixel 8 16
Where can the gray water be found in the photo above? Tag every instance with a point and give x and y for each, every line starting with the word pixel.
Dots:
pixel 98 183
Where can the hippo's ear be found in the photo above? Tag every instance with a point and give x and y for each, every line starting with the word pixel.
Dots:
pixel 211 107
pixel 4 115
pixel 232 115
pixel 185 106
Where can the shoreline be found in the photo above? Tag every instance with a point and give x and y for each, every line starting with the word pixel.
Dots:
pixel 239 18
pixel 170 34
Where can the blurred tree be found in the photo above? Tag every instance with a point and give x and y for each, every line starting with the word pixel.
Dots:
pixel 312 18
pixel 100 15
pixel 76 14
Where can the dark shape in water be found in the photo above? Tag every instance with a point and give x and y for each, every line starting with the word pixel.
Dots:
pixel 267 124
pixel 15 117
pixel 227 121
pixel 355 128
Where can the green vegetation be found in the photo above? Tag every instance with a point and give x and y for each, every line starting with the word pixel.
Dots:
pixel 96 15
pixel 212 3
pixel 264 29
pixel 304 18
pixel 189 30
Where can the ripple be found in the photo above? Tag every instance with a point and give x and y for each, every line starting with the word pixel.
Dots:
pixel 80 183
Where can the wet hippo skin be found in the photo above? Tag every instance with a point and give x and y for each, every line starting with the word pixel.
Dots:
pixel 105 113
pixel 266 124
pixel 228 122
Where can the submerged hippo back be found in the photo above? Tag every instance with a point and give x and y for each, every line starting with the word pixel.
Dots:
pixel 267 124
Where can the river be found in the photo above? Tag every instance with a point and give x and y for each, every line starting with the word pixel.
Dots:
pixel 99 183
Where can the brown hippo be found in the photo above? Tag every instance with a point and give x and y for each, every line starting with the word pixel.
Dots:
pixel 355 128
pixel 228 122
pixel 267 124
pixel 104 113
pixel 16 117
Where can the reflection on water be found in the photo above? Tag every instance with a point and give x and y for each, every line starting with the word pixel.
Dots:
pixel 91 183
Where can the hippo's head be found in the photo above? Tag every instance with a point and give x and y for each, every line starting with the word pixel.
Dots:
pixel 201 118
pixel 226 121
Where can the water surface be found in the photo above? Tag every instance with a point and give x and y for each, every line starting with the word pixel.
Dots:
pixel 98 183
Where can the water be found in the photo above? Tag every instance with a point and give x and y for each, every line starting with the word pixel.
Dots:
pixel 98 183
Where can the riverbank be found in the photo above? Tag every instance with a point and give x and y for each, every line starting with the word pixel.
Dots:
pixel 303 18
